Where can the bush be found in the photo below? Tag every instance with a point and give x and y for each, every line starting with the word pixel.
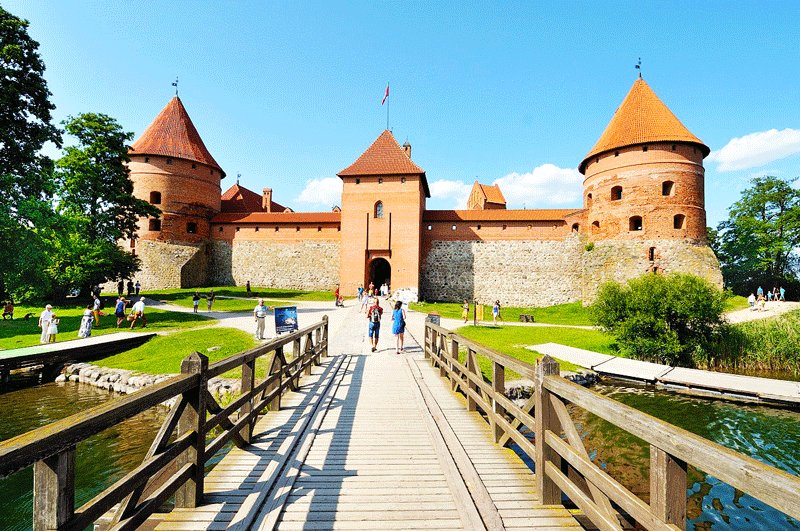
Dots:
pixel 670 319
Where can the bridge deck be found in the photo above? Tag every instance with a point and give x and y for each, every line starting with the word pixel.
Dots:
pixel 371 441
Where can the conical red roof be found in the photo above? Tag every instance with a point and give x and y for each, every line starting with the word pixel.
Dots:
pixel 641 118
pixel 172 134
pixel 383 157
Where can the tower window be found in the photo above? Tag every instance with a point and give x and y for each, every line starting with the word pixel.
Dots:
pixel 588 200
pixel 479 227
pixel 358 181
pixel 277 229
pixel 220 229
pixel 651 254
pixel 257 229
pixel 378 210
pixel 674 147
pixel 678 220
pixel 616 153
pixel 194 166
pixel 297 229
pixel 147 159
pixel 154 225
pixel 211 172
pixel 616 193
pixel 635 223
pixel 191 227
pixel 319 229
pixel 667 188
pixel 169 161
pixel 595 226
pixel 380 180
pixel 504 227
pixel 644 148
pixel 430 227
pixel 237 229
pixel 155 198
pixel 402 180
pixel 575 227
pixel 453 227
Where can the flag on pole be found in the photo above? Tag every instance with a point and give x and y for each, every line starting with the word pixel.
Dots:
pixel 385 95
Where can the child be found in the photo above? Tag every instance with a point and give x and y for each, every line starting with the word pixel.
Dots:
pixel 496 312
pixel 196 301
pixel 52 330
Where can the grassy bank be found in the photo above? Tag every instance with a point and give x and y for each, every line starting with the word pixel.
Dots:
pixel 561 314
pixel 512 340
pixel 736 302
pixel 25 332
pixel 163 354
pixel 235 299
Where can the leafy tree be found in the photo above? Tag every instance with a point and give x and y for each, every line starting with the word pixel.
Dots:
pixel 95 198
pixel 661 318
pixel 25 126
pixel 757 245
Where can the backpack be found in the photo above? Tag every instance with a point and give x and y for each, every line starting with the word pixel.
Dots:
pixel 375 315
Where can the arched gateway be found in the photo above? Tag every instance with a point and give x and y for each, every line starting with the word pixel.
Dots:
pixel 380 271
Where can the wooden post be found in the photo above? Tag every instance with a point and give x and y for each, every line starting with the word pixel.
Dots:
pixel 667 487
pixel 277 368
pixel 441 356
pixel 453 356
pixel 248 383
pixel 546 419
pixel 308 352
pixel 499 386
pixel 316 344
pixel 54 490
pixel 325 335
pixel 190 494
pixel 472 369
pixel 430 341
pixel 296 355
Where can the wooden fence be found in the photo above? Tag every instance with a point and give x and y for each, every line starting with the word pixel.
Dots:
pixel 172 466
pixel 563 465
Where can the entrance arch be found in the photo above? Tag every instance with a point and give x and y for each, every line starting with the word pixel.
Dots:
pixel 380 271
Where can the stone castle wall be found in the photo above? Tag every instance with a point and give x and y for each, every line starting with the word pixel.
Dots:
pixel 170 265
pixel 309 265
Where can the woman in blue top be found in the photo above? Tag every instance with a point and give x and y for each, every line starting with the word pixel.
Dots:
pixel 398 325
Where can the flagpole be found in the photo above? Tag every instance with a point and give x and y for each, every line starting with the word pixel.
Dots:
pixel 387 107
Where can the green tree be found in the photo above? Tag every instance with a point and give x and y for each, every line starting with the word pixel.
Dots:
pixel 25 174
pixel 757 245
pixel 669 319
pixel 95 198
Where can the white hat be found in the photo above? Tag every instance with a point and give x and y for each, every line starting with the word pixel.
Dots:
pixel 48 307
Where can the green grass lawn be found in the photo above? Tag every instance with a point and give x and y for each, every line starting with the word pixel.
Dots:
pixel 563 314
pixel 163 354
pixel 183 297
pixel 25 333
pixel 512 340
pixel 736 302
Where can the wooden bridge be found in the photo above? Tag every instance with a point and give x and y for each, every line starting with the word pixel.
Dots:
pixel 351 439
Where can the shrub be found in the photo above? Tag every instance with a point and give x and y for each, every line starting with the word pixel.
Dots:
pixel 668 319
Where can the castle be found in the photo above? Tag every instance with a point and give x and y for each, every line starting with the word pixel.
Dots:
pixel 643 211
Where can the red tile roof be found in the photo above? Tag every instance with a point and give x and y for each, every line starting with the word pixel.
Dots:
pixel 237 198
pixel 277 217
pixel 172 134
pixel 641 118
pixel 498 215
pixel 492 193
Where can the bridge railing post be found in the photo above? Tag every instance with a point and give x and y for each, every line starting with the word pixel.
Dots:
pixel 276 369
pixel 454 358
pixel 499 387
pixel 325 335
pixel 190 494
pixel 472 371
pixel 441 355
pixel 248 384
pixel 54 490
pixel 546 420
pixel 667 487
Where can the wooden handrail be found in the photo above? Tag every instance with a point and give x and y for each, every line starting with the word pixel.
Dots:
pixel 558 443
pixel 51 448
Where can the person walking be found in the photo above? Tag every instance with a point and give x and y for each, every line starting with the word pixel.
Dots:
pixel 87 321
pixel 398 326
pixel 44 322
pixel 465 310
pixel 260 316
pixel 360 292
pixel 96 309
pixel 130 288
pixel 119 309
pixel 195 301
pixel 52 329
pixel 496 312
pixel 374 315
pixel 138 313
pixel 120 287
pixel 249 293
pixel 210 299
pixel 783 294
pixel 137 287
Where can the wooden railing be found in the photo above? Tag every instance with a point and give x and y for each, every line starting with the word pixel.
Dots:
pixel 563 465
pixel 172 466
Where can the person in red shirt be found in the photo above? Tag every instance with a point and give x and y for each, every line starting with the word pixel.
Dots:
pixel 374 314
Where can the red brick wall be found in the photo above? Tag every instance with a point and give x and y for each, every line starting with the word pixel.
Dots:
pixel 641 175
pixel 286 232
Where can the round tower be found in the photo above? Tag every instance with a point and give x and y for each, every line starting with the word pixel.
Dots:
pixel 171 168
pixel 645 177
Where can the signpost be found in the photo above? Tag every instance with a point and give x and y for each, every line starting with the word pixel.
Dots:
pixel 285 319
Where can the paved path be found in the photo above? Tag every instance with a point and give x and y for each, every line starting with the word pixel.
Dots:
pixel 771 310
pixel 357 447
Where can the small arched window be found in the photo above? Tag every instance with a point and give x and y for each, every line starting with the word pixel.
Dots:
pixel 667 188
pixel 651 254
pixel 635 223
pixel 588 200
pixel 155 198
pixel 154 225
pixel 616 193
pixel 678 220
pixel 191 228
pixel 379 209
pixel 575 227
pixel 595 226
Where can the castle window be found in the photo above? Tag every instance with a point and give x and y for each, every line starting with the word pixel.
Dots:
pixel 211 172
pixel 430 227
pixel 674 147
pixel 169 161
pixel 191 228
pixel 588 200
pixel 155 198
pixel 194 166
pixel 504 227
pixel 651 254
pixel 635 223
pixel 644 148
pixel 402 180
pixel 616 193
pixel 154 225
pixel 380 180
pixel 277 229
pixel 257 229
pixel 358 181
pixel 667 188
pixel 453 227
pixel 237 229
pixel 575 227
pixel 595 226
pixel 530 227
pixel 147 159
pixel 319 229
pixel 678 221
pixel 616 153
pixel 297 229
pixel 378 210
pixel 220 229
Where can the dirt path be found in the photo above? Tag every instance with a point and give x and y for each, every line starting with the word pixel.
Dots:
pixel 771 309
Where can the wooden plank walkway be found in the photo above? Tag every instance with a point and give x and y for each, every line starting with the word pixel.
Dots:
pixel 371 441
pixel 696 381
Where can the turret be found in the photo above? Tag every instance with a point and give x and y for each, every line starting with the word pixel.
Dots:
pixel 645 177
pixel 172 169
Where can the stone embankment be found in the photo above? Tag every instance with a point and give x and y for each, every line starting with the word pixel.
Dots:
pixel 125 382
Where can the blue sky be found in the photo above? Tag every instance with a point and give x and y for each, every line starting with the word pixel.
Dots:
pixel 288 93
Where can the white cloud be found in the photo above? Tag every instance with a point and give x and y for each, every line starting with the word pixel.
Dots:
pixel 456 190
pixel 545 185
pixel 756 149
pixel 326 192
